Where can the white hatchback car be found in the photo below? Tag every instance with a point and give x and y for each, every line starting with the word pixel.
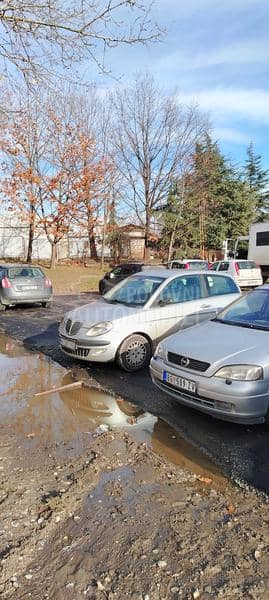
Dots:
pixel 129 320
pixel 245 272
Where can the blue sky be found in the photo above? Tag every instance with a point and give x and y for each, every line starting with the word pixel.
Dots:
pixel 215 52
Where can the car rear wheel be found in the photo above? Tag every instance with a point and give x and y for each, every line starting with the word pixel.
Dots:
pixel 134 353
pixel 46 304
pixel 102 289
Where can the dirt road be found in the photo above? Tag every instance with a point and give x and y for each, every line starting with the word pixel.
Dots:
pixel 101 500
pixel 241 452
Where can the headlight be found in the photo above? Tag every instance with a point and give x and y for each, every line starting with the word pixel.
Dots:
pixel 160 352
pixel 240 372
pixel 99 328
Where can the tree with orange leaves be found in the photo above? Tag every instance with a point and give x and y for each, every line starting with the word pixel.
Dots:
pixel 52 175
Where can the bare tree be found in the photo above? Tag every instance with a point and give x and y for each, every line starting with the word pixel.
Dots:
pixel 36 34
pixel 153 137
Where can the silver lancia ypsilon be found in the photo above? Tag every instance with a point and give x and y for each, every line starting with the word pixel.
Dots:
pixel 129 320
pixel 221 367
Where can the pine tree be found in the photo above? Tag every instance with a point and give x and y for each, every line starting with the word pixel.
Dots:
pixel 257 179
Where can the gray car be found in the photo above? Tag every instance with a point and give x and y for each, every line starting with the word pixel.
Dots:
pixel 221 367
pixel 24 284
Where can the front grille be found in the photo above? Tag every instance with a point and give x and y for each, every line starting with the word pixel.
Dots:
pixel 80 352
pixel 72 328
pixel 187 362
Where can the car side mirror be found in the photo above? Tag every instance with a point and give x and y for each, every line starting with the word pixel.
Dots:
pixel 164 302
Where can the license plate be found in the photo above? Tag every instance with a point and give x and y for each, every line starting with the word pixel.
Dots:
pixel 69 344
pixel 26 288
pixel 179 382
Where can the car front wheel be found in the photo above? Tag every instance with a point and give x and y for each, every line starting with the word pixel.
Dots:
pixel 46 304
pixel 134 353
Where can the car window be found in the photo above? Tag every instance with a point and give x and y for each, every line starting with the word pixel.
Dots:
pixel 199 265
pixel 224 266
pixel 218 285
pixel 136 290
pixel 246 264
pixel 214 267
pixel 250 310
pixel 124 270
pixel 177 265
pixel 28 272
pixel 182 289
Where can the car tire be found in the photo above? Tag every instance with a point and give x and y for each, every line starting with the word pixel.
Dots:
pixel 134 353
pixel 102 289
pixel 46 304
pixel 2 306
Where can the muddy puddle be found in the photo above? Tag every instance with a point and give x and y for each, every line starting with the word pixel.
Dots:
pixel 65 419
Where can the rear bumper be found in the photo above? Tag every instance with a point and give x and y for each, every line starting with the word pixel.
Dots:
pixel 249 282
pixel 11 297
pixel 13 301
pixel 210 398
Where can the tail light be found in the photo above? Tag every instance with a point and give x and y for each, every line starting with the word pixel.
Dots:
pixel 187 265
pixel 6 283
pixel 48 282
pixel 236 266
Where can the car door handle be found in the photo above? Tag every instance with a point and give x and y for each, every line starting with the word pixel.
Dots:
pixel 206 306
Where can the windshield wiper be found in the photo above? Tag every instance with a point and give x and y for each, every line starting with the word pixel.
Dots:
pixel 241 324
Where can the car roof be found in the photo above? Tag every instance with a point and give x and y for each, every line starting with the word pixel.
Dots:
pixel 16 265
pixel 172 274
pixel 185 260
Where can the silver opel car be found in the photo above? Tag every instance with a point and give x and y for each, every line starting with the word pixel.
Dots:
pixel 129 320
pixel 221 367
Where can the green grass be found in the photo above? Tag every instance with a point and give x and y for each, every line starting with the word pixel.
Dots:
pixel 72 279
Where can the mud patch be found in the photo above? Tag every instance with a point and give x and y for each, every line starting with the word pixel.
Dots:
pixel 64 419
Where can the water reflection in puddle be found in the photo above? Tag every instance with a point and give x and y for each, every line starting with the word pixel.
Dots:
pixel 70 416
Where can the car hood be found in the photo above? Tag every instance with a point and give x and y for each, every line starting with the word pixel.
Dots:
pixel 217 343
pixel 99 310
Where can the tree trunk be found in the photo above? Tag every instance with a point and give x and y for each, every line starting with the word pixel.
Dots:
pixel 172 239
pixel 30 243
pixel 93 249
pixel 147 235
pixel 53 259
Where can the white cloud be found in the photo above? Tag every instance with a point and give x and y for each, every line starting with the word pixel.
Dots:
pixel 187 8
pixel 239 53
pixel 250 104
pixel 228 134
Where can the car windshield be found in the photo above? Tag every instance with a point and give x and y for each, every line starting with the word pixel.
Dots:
pixel 135 291
pixel 27 272
pixel 251 311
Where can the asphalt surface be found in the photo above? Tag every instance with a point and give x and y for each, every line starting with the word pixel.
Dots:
pixel 240 451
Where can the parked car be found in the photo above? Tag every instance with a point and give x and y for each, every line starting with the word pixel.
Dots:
pixel 117 274
pixel 245 272
pixel 192 263
pixel 221 367
pixel 24 284
pixel 131 318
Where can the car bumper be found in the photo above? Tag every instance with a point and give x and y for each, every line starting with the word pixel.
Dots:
pixel 88 350
pixel 249 282
pixel 236 403
pixel 12 299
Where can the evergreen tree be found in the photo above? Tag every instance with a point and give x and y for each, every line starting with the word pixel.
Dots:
pixel 217 204
pixel 257 179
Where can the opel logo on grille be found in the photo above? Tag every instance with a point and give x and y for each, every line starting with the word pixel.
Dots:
pixel 184 361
